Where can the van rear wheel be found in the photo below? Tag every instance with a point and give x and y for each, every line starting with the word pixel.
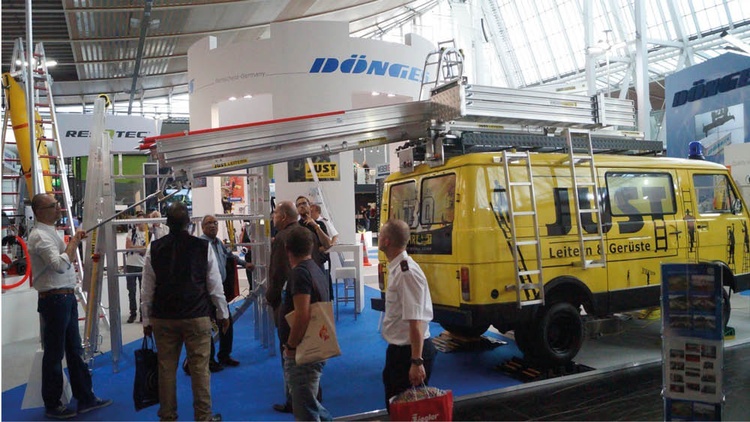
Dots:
pixel 474 331
pixel 559 333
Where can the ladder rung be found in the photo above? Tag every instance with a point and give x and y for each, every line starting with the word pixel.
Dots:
pixel 10 193
pixel 528 272
pixel 586 184
pixel 519 183
pixel 11 176
pixel 527 243
pixel 582 158
pixel 531 302
pixel 589 210
pixel 516 155
pixel 523 213
pixel 587 238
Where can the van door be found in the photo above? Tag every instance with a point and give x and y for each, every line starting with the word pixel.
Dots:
pixel 720 231
pixel 644 232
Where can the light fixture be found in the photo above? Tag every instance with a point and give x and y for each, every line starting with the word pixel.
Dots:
pixel 232 98
pixel 391 95
pixel 51 63
pixel 375 93
pixel 248 96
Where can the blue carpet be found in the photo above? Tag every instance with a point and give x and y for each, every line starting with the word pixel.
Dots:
pixel 351 383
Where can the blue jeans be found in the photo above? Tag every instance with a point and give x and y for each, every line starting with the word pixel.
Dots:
pixel 303 381
pixel 60 336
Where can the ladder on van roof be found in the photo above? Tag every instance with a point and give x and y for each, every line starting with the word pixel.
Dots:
pixel 529 278
pixel 584 161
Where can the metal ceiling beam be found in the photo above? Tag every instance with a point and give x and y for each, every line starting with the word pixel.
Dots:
pixel 145 23
pixel 547 44
pixel 117 9
pixel 641 71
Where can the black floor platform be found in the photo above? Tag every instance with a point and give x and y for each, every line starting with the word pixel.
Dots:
pixel 632 393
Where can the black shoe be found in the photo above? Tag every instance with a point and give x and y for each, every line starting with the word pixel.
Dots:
pixel 131 319
pixel 214 366
pixel 186 367
pixel 60 412
pixel 97 403
pixel 229 362
pixel 283 408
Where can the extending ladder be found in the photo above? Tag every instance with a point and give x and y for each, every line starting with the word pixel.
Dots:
pixel 447 63
pixel 585 183
pixel 529 278
pixel 49 148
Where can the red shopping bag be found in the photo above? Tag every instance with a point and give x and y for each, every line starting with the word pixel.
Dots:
pixel 422 404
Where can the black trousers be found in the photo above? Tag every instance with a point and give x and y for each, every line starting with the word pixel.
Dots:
pixel 225 341
pixel 134 285
pixel 397 365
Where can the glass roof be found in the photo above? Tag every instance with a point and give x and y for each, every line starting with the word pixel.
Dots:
pixel 541 42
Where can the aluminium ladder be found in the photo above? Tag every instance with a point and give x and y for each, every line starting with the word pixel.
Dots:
pixel 527 279
pixel 590 184
pixel 44 117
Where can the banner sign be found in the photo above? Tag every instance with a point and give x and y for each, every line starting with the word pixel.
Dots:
pixel 692 344
pixel 126 132
pixel 327 169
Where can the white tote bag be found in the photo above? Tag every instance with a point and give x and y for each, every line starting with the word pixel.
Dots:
pixel 320 341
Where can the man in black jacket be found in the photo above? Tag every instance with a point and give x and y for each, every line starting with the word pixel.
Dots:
pixel 180 280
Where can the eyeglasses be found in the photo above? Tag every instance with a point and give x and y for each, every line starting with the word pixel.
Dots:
pixel 302 203
pixel 212 223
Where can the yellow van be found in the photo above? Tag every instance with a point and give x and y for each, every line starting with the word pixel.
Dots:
pixel 473 217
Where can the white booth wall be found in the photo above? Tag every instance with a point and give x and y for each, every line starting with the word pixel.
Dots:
pixel 281 76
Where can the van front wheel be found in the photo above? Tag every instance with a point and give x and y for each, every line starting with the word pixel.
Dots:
pixel 559 334
pixel 474 331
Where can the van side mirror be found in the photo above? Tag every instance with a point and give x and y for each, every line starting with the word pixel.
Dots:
pixel 737 206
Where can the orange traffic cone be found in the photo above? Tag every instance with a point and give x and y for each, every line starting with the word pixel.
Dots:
pixel 366 259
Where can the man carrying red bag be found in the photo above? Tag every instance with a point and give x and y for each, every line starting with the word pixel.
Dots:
pixel 408 312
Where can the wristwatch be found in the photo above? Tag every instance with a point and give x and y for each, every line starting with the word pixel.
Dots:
pixel 417 361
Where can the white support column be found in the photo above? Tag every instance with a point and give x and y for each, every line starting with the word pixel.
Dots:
pixel 588 34
pixel 641 70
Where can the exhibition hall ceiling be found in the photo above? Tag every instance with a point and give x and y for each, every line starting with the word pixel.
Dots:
pixel 98 44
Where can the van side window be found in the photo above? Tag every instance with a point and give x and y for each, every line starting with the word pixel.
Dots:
pixel 437 199
pixel 713 193
pixel 632 194
pixel 403 203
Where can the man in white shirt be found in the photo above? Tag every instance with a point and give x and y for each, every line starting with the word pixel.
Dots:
pixel 55 279
pixel 180 280
pixel 331 231
pixel 408 312
pixel 136 240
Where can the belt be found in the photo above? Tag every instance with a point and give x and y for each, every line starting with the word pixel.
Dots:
pixel 56 292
